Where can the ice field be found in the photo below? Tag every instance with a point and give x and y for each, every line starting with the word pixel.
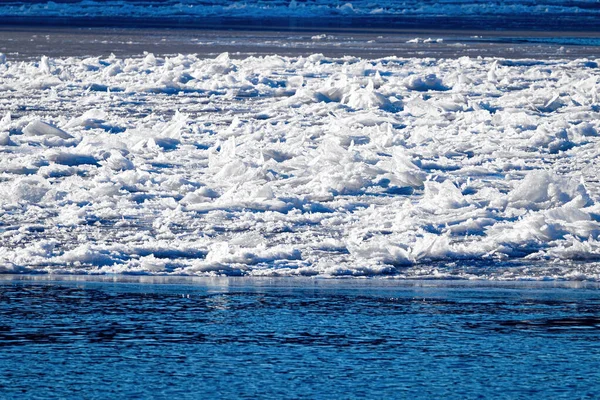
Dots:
pixel 415 168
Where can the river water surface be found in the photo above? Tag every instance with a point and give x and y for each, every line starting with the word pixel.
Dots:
pixel 77 337
pixel 30 42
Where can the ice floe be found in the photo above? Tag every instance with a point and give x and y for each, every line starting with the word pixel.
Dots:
pixel 464 168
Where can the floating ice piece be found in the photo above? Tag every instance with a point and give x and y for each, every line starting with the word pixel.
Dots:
pixel 295 81
pixel 442 196
pixel 573 248
pixel 262 193
pixel 223 253
pixel 370 119
pixel 424 83
pixel 154 264
pixel 431 247
pixel 150 60
pixel 582 130
pixel 427 41
pixel 547 102
pixel 40 128
pixel 347 8
pixel 221 65
pixel 88 120
pixel 29 190
pixel 199 196
pixel 172 130
pixel 336 90
pixel 44 66
pixel 232 259
pixel 71 159
pixel 163 136
pixel 379 251
pixel 86 254
pixel 541 190
pixel 114 69
pixel 536 229
pixel 23 165
pixel 552 138
pixel 4 126
pixel 366 98
pixel 405 169
pixel 56 171
pixel 117 162
pixel 4 139
pixel 5 121
pixel 491 75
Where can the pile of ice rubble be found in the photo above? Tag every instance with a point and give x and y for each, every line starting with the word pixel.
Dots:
pixel 469 168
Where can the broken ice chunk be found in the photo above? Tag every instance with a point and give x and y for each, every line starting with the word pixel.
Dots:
pixel 40 128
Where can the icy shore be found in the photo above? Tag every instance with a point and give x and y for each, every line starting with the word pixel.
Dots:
pixel 467 168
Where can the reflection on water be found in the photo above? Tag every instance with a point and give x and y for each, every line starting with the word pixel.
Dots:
pixel 276 339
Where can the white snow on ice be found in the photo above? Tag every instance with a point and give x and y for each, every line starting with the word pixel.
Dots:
pixel 466 168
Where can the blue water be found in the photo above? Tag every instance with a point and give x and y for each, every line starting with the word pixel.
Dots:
pixel 536 15
pixel 230 338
